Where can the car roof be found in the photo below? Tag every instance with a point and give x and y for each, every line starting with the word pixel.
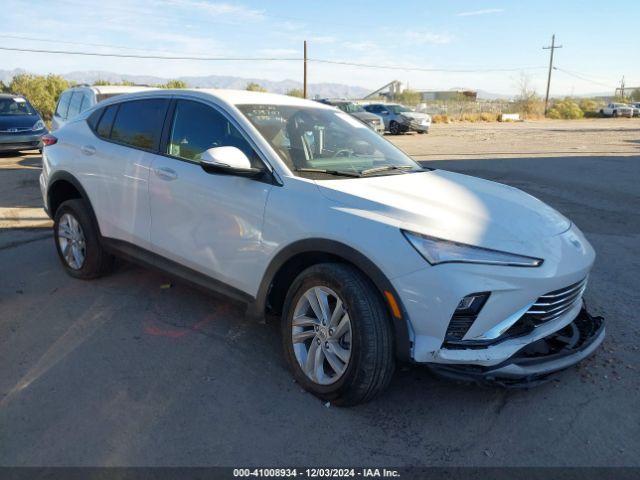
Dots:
pixel 232 97
pixel 121 89
pixel 10 95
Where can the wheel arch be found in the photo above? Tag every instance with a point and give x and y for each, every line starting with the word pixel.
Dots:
pixel 295 258
pixel 64 186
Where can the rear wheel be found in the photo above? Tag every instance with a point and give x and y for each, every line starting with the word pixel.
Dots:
pixel 615 113
pixel 78 241
pixel 337 335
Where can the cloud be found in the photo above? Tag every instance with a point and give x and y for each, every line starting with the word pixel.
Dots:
pixel 420 37
pixel 361 46
pixel 486 11
pixel 236 11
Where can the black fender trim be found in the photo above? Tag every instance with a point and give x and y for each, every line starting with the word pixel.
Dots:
pixel 400 325
pixel 152 260
pixel 62 175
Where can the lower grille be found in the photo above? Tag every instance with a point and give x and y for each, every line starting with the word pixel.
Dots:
pixel 548 307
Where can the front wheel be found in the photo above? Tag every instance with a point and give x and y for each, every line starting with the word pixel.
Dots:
pixel 615 113
pixel 394 128
pixel 337 334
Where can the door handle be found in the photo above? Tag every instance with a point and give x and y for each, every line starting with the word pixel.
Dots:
pixel 165 173
pixel 88 150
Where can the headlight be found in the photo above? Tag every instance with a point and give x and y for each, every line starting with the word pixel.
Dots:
pixel 39 125
pixel 436 250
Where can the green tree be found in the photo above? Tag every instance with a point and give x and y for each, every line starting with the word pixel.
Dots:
pixel 635 95
pixel 124 83
pixel 409 97
pixel 174 84
pixel 4 88
pixel 41 91
pixel 296 92
pixel 255 87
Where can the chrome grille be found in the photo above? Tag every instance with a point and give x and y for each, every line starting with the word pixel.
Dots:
pixel 17 130
pixel 554 304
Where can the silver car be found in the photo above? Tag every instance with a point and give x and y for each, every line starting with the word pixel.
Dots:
pixel 400 119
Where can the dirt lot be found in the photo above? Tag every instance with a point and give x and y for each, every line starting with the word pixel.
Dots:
pixel 120 371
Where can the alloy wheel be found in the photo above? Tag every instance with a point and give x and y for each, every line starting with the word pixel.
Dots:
pixel 321 335
pixel 71 241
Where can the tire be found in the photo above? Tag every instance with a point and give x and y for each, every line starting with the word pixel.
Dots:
pixel 422 132
pixel 602 113
pixel 371 361
pixel 615 113
pixel 95 261
pixel 394 128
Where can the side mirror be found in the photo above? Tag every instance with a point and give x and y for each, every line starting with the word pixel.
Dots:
pixel 228 160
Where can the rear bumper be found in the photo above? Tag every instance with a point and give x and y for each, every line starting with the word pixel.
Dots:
pixel 534 363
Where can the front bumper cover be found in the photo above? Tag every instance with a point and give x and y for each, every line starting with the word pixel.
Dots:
pixel 536 362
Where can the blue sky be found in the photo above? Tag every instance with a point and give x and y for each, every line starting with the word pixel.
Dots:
pixel 599 43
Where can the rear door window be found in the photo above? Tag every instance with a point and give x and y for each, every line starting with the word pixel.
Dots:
pixel 139 123
pixel 63 105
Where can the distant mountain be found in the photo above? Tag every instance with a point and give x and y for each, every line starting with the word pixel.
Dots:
pixel 335 90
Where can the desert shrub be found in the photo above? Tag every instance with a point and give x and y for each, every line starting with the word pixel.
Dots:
pixel 174 84
pixel 296 92
pixel 489 117
pixel 255 87
pixel 440 118
pixel 408 97
pixel 565 109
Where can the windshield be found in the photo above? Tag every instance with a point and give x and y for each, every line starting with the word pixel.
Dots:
pixel 15 106
pixel 350 107
pixel 398 108
pixel 328 142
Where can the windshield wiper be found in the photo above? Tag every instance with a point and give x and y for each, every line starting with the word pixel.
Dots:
pixel 342 173
pixel 385 168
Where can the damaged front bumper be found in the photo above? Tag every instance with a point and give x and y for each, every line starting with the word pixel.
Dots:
pixel 534 363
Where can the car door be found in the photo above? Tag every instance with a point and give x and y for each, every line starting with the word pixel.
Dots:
pixel 117 163
pixel 208 222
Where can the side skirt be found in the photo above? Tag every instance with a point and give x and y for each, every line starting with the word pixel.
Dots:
pixel 144 257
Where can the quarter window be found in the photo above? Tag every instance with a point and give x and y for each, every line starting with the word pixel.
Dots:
pixel 106 122
pixel 139 123
pixel 197 127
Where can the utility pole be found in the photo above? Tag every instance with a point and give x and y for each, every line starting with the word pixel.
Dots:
pixel 304 82
pixel 552 48
pixel 622 88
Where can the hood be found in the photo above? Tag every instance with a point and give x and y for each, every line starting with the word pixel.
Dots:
pixel 452 206
pixel 416 115
pixel 364 116
pixel 17 121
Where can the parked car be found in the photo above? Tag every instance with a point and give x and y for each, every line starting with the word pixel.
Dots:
pixel 21 126
pixel 617 110
pixel 636 109
pixel 374 122
pixel 297 209
pixel 400 119
pixel 76 100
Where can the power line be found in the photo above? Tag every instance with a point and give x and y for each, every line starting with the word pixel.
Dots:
pixel 420 69
pixel 84 44
pixel 275 59
pixel 151 57
pixel 581 77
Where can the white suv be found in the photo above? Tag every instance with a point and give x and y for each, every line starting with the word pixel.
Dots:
pixel 296 208
pixel 76 100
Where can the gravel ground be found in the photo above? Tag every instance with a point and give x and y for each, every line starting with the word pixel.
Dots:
pixel 121 371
